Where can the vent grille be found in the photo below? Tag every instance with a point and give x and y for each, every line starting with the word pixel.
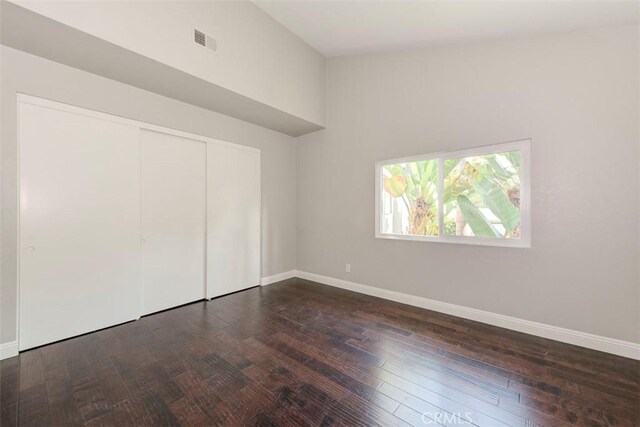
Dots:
pixel 204 40
pixel 200 38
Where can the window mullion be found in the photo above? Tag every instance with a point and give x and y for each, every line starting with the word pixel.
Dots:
pixel 440 197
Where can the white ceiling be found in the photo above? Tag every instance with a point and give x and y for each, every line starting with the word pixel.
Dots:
pixel 348 27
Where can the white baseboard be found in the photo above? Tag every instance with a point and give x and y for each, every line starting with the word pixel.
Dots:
pixel 8 349
pixel 582 339
pixel 277 277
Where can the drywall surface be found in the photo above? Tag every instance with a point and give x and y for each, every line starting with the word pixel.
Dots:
pixel 39 35
pixel 576 95
pixel 256 56
pixel 24 73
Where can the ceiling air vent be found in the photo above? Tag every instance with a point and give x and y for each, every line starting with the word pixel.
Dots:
pixel 204 40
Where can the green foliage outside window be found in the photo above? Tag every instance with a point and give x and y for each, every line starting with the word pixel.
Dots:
pixel 481 195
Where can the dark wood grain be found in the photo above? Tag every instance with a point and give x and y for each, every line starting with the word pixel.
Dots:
pixel 300 353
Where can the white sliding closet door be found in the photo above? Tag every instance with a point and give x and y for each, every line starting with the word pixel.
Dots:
pixel 233 218
pixel 79 224
pixel 173 220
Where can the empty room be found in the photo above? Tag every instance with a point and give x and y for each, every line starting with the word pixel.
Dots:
pixel 320 213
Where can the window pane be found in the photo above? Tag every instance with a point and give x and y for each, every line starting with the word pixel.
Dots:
pixel 410 198
pixel 482 196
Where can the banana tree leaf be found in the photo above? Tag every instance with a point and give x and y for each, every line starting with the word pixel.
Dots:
pixel 497 168
pixel 422 166
pixel 415 173
pixel 478 223
pixel 449 164
pixel 514 158
pixel 495 199
pixel 456 189
pixel 394 169
pixel 428 173
pixel 412 187
pixel 431 192
pixel 395 185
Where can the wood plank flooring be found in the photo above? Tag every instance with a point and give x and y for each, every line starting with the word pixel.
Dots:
pixel 300 353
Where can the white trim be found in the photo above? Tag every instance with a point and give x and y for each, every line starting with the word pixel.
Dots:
pixel 461 240
pixel 18 218
pixel 278 277
pixel 524 146
pixel 8 349
pixel 569 336
pixel 440 196
pixel 205 240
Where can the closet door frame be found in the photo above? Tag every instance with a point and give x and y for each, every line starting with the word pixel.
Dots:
pixel 198 154
pixel 218 244
pixel 60 106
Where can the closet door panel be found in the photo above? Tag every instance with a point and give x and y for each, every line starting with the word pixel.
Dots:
pixel 173 220
pixel 79 224
pixel 233 219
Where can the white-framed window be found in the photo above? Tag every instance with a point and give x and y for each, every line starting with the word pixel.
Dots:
pixel 477 196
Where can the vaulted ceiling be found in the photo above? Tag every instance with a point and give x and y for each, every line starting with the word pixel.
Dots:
pixel 337 28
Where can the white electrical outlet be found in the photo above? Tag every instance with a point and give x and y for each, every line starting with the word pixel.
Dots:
pixel 347 268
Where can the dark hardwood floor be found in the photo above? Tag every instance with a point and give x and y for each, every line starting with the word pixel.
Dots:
pixel 299 353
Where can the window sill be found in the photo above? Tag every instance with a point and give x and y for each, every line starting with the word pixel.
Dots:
pixel 480 241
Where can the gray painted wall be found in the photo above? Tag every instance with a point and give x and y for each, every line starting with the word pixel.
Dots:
pixel 575 95
pixel 257 57
pixel 32 75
